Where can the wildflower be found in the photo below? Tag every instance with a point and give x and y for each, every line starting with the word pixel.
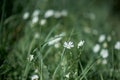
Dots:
pixel 102 38
pixel 30 58
pixel 68 45
pixel 26 15
pixel 104 61
pixel 43 22
pixel 35 19
pixel 92 16
pixel 105 45
pixel 117 45
pixel 57 14
pixel 34 77
pixel 57 45
pixel 81 43
pixel 109 38
pixel 36 13
pixel 96 48
pixel 36 71
pixel 67 75
pixel 49 13
pixel 36 35
pixel 104 53
pixel 64 13
pixel 54 41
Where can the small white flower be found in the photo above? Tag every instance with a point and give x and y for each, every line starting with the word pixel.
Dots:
pixel 36 35
pixel 35 77
pixel 102 38
pixel 109 38
pixel 68 45
pixel 104 53
pixel 57 14
pixel 64 13
pixel 96 48
pixel 35 19
pixel 54 41
pixel 43 22
pixel 92 16
pixel 104 61
pixel 117 45
pixel 36 71
pixel 49 13
pixel 30 58
pixel 81 43
pixel 67 75
pixel 26 15
pixel 105 45
pixel 57 45
pixel 36 13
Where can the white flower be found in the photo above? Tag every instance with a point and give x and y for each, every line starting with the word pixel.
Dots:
pixel 57 45
pixel 54 41
pixel 109 38
pixel 49 13
pixel 68 45
pixel 81 43
pixel 104 61
pixel 104 53
pixel 26 15
pixel 36 35
pixel 30 57
pixel 34 77
pixel 36 13
pixel 64 13
pixel 36 71
pixel 105 45
pixel 43 22
pixel 101 38
pixel 96 48
pixel 57 14
pixel 67 75
pixel 35 19
pixel 92 16
pixel 117 45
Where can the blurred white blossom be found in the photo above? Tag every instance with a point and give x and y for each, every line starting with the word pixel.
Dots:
pixel 104 53
pixel 92 16
pixel 104 61
pixel 57 14
pixel 36 35
pixel 68 45
pixel 30 57
pixel 117 45
pixel 36 71
pixel 57 45
pixel 42 22
pixel 36 13
pixel 101 38
pixel 96 48
pixel 35 77
pixel 105 45
pixel 35 19
pixel 81 43
pixel 64 13
pixel 49 13
pixel 26 15
pixel 67 75
pixel 109 38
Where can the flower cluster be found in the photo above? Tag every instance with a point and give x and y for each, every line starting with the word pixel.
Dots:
pixel 70 44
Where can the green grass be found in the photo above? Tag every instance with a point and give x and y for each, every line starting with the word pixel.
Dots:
pixel 85 21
